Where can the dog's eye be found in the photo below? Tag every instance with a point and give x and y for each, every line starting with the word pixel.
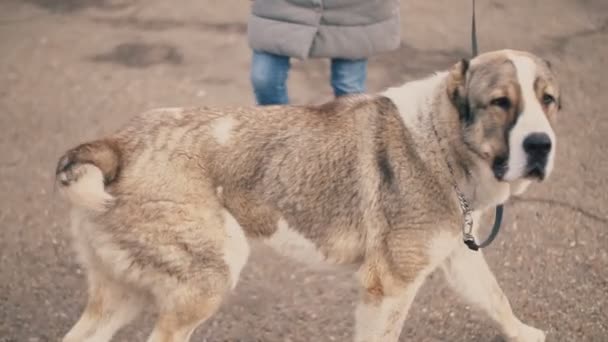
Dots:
pixel 548 99
pixel 502 102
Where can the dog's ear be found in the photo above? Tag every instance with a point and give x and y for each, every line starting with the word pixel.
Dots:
pixel 457 90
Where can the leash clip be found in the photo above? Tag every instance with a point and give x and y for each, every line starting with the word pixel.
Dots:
pixel 469 240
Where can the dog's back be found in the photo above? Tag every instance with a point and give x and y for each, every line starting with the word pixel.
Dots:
pixel 163 207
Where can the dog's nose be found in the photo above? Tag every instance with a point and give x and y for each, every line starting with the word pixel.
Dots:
pixel 537 144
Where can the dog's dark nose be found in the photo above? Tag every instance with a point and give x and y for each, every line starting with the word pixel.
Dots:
pixel 537 144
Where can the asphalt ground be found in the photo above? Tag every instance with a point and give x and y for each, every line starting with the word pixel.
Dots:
pixel 75 69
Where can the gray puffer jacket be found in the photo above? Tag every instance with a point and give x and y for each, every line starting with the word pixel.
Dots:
pixel 324 28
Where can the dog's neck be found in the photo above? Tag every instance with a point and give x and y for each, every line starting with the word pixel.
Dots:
pixel 434 121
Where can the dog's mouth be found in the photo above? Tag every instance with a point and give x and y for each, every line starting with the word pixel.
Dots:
pixel 536 172
pixel 500 167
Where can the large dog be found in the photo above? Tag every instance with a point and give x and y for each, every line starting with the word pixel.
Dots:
pixel 165 208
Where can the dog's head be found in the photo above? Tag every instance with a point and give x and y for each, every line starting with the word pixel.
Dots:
pixel 507 102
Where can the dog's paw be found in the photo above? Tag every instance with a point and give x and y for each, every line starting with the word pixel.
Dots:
pixel 527 333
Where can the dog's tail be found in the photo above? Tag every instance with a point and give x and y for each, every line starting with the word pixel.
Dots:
pixel 83 173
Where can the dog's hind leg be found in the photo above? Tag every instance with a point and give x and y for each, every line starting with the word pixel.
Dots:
pixel 110 306
pixel 470 276
pixel 181 312
pixel 187 297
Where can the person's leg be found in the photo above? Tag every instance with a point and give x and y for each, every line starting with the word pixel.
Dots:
pixel 348 76
pixel 269 77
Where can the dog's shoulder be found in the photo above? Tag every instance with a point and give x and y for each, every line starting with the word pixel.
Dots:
pixel 354 102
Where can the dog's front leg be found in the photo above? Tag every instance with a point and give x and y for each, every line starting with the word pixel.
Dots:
pixel 380 316
pixel 470 276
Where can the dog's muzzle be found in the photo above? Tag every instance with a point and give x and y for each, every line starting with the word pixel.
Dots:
pixel 537 147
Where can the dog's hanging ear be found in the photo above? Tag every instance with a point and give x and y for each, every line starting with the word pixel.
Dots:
pixel 550 67
pixel 457 90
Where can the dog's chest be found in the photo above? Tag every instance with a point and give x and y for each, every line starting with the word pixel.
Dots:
pixel 337 248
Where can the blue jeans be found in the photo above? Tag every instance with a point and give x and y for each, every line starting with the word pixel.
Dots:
pixel 269 77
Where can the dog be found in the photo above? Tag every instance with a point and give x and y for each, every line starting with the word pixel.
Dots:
pixel 164 210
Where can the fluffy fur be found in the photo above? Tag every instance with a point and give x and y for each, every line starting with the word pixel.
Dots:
pixel 165 208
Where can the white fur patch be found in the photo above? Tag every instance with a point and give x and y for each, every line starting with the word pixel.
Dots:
pixel 170 109
pixel 87 191
pixel 119 308
pixel 176 112
pixel 236 247
pixel 374 320
pixel 94 245
pixel 221 129
pixel 519 186
pixel 286 241
pixel 441 246
pixel 532 119
pixel 415 98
